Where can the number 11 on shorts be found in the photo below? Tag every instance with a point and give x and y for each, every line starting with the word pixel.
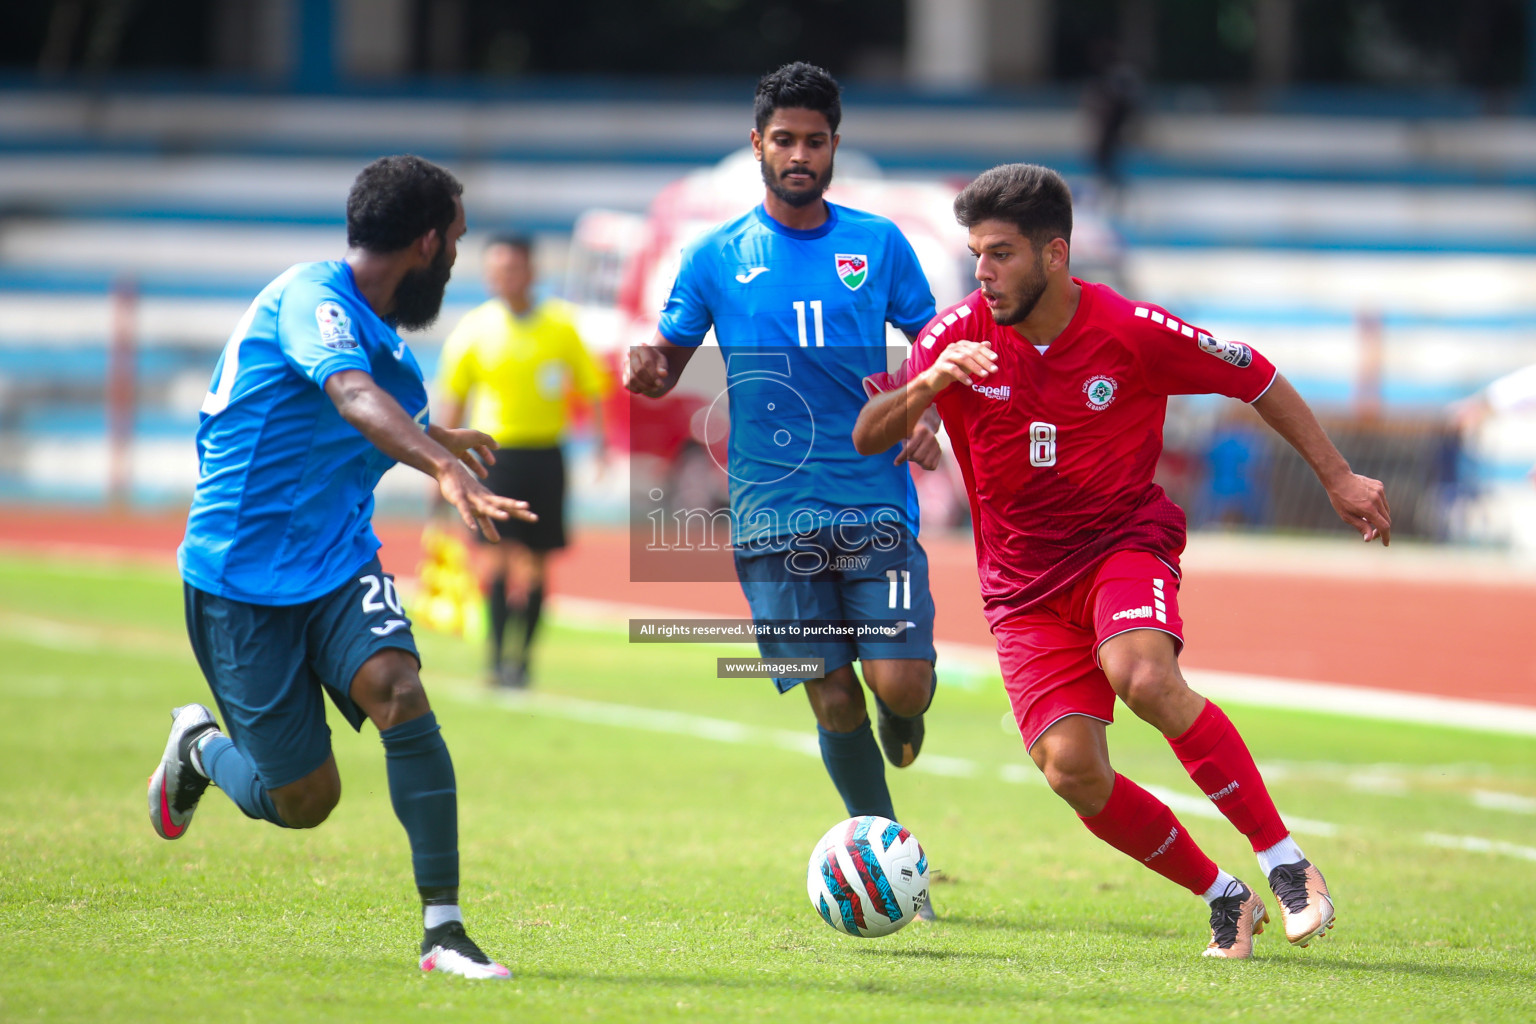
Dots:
pixel 906 587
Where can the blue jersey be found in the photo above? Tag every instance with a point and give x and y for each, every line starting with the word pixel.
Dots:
pixel 284 501
pixel 800 317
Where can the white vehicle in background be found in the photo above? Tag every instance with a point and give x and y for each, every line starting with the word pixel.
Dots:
pixel 622 266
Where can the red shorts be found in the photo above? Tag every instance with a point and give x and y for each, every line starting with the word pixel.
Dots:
pixel 1049 654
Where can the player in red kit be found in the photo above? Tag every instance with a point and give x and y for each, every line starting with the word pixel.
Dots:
pixel 1053 392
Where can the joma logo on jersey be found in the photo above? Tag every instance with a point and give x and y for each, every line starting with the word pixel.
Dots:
pixel 852 270
pixel 1100 391
pixel 999 394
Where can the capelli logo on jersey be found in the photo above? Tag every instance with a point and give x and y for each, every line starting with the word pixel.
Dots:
pixel 1100 391
pixel 999 394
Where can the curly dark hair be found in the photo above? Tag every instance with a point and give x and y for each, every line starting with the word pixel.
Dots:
pixel 396 200
pixel 800 86
pixel 1033 198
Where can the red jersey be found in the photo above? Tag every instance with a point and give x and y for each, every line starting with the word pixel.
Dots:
pixel 1058 449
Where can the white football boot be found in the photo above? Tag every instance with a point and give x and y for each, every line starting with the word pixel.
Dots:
pixel 446 948
pixel 176 787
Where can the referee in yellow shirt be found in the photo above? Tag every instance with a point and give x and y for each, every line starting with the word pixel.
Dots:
pixel 514 363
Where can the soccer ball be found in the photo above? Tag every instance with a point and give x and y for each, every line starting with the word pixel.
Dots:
pixel 868 876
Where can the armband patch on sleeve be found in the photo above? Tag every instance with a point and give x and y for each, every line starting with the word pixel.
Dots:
pixel 335 326
pixel 1234 352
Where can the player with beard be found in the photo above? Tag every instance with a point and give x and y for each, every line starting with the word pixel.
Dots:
pixel 314 397
pixel 798 292
pixel 1053 392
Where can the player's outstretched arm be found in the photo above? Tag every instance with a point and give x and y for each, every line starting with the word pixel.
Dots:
pixel 475 449
pixel 1360 501
pixel 890 417
pixel 390 429
pixel 653 369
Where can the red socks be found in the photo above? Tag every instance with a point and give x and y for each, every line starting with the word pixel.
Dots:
pixel 1218 760
pixel 1140 825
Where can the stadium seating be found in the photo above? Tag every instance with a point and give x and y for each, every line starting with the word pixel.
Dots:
pixel 1378 260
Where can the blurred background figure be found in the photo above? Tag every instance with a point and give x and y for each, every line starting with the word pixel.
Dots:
pixel 1112 103
pixel 1234 491
pixel 515 363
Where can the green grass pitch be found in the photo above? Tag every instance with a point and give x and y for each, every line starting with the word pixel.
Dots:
pixel 634 844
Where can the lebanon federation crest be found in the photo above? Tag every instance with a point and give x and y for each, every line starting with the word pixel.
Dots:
pixel 1100 391
pixel 852 270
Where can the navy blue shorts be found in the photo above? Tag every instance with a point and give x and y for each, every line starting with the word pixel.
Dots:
pixel 267 666
pixel 820 579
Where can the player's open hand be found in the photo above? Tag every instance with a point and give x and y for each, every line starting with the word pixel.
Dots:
pixel 1362 503
pixel 922 447
pixel 479 507
pixel 646 372
pixel 463 442
pixel 961 362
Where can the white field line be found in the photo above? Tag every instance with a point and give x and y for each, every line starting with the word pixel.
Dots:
pixel 1463 770
pixel 1196 807
pixel 76 638
pixel 1477 844
pixel 1493 801
pixel 1405 780
pixel 721 730
pixel 73 637
pixel 967 665
pixel 1364 702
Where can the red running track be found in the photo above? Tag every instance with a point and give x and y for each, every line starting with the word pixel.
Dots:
pixel 1460 639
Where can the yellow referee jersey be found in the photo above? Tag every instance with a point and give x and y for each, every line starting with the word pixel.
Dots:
pixel 515 373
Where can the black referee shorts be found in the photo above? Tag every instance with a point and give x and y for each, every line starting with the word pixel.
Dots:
pixel 537 476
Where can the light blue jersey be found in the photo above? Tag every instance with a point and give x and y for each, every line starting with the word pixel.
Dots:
pixel 800 317
pixel 285 485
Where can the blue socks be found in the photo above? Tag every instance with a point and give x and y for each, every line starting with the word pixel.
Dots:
pixel 232 773
pixel 422 788
pixel 853 760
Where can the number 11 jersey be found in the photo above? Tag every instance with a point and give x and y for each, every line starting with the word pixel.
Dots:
pixel 800 318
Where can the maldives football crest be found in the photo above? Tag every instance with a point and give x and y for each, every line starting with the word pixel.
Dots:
pixel 852 270
pixel 1100 391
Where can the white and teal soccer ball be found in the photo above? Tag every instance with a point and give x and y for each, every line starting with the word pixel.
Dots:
pixel 868 876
